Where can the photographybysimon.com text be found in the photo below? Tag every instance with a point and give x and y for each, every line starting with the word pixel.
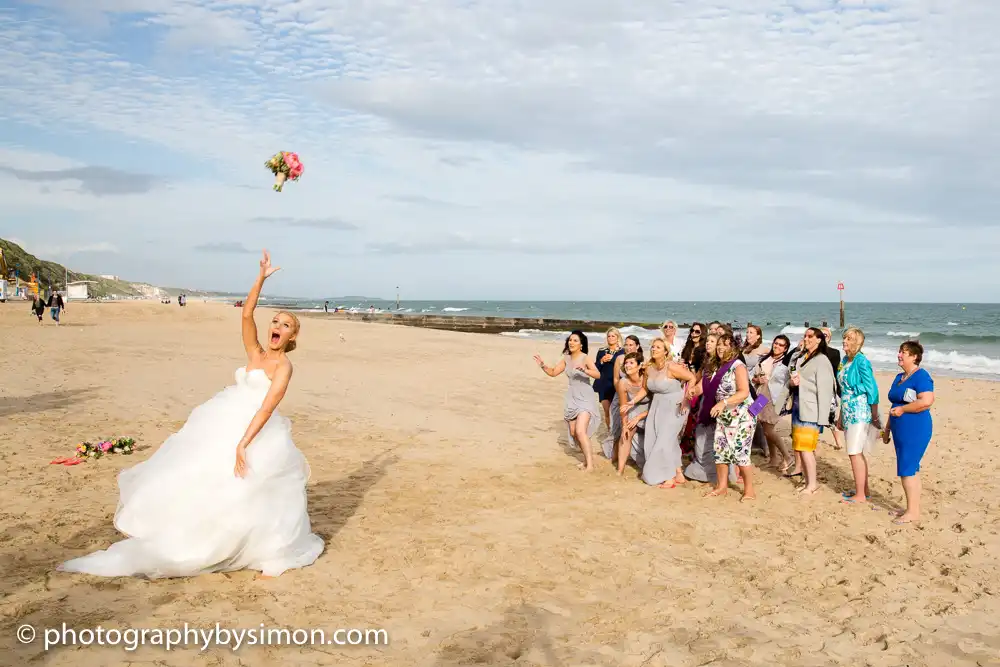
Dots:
pixel 203 638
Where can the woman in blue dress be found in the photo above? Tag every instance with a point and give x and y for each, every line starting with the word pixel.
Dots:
pixel 910 425
pixel 606 362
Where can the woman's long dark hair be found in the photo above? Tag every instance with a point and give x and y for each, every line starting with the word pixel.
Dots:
pixel 638 347
pixel 691 348
pixel 820 349
pixel 583 341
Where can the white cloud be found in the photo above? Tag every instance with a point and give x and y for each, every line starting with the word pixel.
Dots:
pixel 741 126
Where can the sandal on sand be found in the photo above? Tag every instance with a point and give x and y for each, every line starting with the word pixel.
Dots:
pixel 58 462
pixel 852 494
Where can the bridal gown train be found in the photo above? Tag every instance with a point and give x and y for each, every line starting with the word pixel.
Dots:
pixel 184 512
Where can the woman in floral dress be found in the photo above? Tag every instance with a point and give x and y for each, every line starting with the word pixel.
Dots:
pixel 734 425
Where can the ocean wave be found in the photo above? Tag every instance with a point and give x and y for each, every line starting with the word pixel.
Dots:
pixel 957 338
pixel 450 309
pixel 883 359
pixel 948 362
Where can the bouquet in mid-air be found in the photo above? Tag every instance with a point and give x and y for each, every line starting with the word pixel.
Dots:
pixel 284 166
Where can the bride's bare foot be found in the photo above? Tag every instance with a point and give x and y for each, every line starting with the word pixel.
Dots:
pixel 716 493
pixel 748 498
pixel 584 467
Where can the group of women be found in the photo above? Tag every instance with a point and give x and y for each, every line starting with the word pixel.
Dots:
pixel 714 397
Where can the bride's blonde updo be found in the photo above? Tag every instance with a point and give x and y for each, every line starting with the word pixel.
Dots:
pixel 296 325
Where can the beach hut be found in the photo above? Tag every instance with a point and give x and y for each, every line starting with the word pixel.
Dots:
pixel 78 290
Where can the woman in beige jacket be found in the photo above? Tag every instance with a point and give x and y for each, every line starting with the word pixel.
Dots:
pixel 813 382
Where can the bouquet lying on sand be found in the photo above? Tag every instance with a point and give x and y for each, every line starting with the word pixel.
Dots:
pixel 284 166
pixel 86 451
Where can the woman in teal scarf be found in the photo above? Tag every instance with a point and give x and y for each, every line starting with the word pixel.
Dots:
pixel 858 410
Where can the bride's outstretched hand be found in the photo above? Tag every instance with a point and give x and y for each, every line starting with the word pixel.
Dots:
pixel 240 469
pixel 265 265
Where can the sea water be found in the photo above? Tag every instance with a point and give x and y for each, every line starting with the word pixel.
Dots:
pixel 959 339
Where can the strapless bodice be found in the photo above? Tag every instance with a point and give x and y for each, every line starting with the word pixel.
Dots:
pixel 255 379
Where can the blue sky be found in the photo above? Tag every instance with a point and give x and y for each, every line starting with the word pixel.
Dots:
pixel 691 150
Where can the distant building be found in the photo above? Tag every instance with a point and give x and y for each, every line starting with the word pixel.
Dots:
pixel 107 277
pixel 148 291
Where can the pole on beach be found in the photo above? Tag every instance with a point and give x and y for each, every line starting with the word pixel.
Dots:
pixel 397 297
pixel 840 289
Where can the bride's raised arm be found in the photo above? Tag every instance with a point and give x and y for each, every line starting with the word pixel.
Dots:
pixel 250 342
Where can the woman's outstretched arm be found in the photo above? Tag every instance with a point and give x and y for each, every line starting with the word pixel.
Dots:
pixel 279 385
pixel 250 342
pixel 551 371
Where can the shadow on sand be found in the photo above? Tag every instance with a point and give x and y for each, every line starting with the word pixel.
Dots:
pixel 333 502
pixel 12 405
pixel 521 637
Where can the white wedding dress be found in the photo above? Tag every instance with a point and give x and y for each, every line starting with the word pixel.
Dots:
pixel 184 512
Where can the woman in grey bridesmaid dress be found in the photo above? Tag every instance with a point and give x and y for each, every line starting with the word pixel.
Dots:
pixel 666 419
pixel 610 444
pixel 631 436
pixel 581 413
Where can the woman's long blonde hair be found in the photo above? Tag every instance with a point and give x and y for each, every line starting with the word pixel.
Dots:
pixel 711 363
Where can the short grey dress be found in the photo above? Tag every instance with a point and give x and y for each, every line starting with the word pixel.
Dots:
pixel 661 444
pixel 580 397
pixel 636 452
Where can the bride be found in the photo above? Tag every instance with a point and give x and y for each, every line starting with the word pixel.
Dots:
pixel 227 491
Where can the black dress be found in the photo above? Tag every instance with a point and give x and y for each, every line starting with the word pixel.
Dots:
pixel 604 386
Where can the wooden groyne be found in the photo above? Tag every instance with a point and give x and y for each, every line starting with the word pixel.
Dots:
pixel 487 325
pixel 495 325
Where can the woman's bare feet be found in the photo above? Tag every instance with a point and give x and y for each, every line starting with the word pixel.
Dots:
pixel 906 517
pixel 716 493
pixel 807 490
pixel 748 498
pixel 584 467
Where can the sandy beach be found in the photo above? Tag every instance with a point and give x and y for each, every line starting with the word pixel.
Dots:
pixel 455 518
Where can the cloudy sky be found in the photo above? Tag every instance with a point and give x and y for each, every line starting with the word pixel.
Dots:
pixel 562 149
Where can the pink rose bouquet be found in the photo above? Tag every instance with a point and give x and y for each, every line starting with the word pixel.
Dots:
pixel 284 166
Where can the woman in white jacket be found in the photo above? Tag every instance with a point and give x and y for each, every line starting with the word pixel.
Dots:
pixel 771 380
pixel 813 382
